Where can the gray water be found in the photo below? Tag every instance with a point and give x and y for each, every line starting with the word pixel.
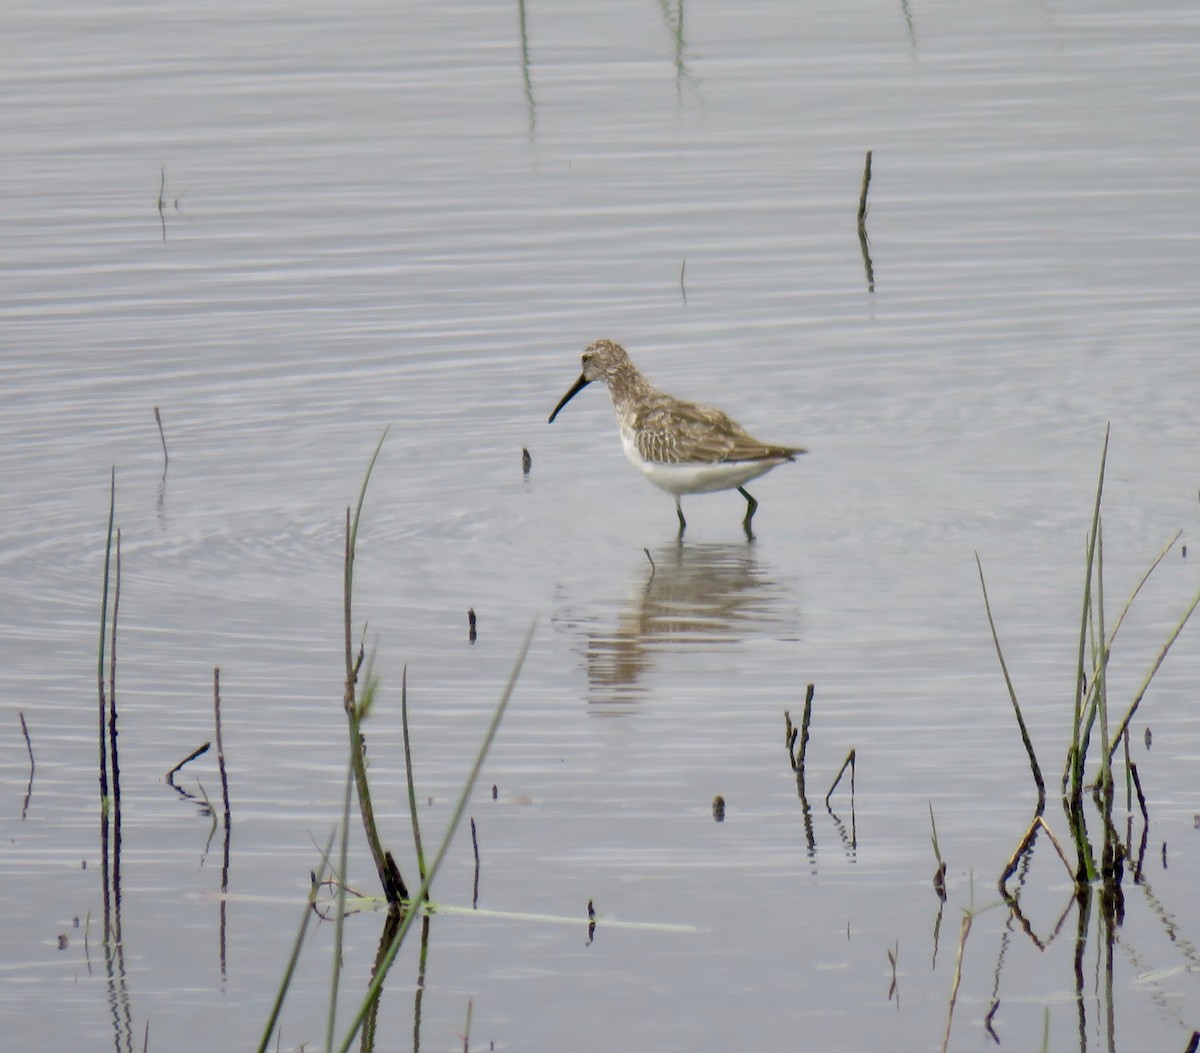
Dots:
pixel 291 226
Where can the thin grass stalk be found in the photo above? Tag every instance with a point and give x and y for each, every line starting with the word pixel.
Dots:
pixel 1138 587
pixel 339 924
pixel 103 738
pixel 419 993
pixel 112 676
pixel 32 764
pixel 376 985
pixel 964 932
pixel 389 875
pixel 1075 756
pixel 1092 686
pixel 351 540
pixel 221 769
pixel 113 755
pixel 849 762
pixel 1034 767
pixel 290 969
pixel 357 759
pixel 408 774
pixel 1145 686
pixel 1101 673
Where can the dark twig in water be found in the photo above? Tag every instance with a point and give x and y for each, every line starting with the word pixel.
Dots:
pixel 220 746
pixel 199 751
pixel 32 765
pixel 939 875
pixel 863 240
pixel 791 733
pixel 161 204
pixel 224 906
pixel 653 568
pixel 112 710
pixel 1026 843
pixel 475 849
pixel 105 801
pixel 162 437
pixel 847 763
pixel 862 197
pixel 471 633
pixel 892 957
pixel 103 708
pixel 987 1021
pixel 805 721
pixel 28 744
pixel 526 460
pixel 796 759
pixel 530 106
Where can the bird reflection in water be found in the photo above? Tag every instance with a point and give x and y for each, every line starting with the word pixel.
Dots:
pixel 700 597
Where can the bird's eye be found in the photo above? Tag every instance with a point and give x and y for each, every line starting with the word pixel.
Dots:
pixel 585 359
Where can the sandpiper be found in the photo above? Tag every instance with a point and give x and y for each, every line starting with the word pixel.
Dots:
pixel 679 446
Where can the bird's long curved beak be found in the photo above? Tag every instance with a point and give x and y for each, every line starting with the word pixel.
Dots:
pixel 576 388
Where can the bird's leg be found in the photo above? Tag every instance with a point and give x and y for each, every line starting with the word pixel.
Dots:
pixel 751 508
pixel 682 521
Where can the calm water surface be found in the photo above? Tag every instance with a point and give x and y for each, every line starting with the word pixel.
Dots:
pixel 416 217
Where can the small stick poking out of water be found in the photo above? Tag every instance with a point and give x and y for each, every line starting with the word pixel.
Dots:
pixel 847 763
pixel 792 733
pixel 467 1027
pixel 28 744
pixel 220 745
pixel 471 624
pixel 32 765
pixel 939 875
pixel 718 808
pixel 475 847
pixel 862 197
pixel 198 751
pixel 160 204
pixel 526 460
pixel 682 287
pixel 162 438
pixel 863 241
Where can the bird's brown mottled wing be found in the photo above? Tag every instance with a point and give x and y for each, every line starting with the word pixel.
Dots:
pixel 670 431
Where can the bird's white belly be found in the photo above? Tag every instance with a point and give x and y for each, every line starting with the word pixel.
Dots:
pixel 695 478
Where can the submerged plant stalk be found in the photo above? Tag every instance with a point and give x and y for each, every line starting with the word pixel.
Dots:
pixel 1034 767
pixel 385 963
pixel 394 889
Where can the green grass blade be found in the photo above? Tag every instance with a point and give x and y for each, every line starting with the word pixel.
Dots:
pixel 289 971
pixel 408 773
pixel 112 507
pixel 414 910
pixel 341 874
pixel 351 539
pixel 1075 755
pixel 1039 781
pixel 1141 692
